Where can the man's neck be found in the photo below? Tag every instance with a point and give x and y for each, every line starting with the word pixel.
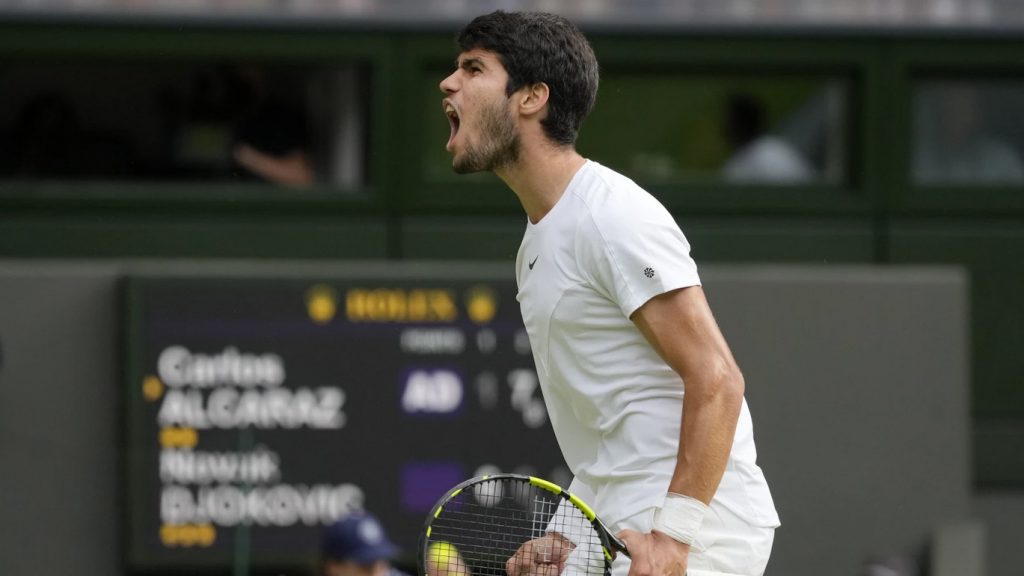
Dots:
pixel 540 177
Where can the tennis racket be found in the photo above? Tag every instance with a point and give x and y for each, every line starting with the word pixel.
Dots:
pixel 499 525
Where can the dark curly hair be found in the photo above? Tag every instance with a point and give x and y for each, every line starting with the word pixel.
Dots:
pixel 536 47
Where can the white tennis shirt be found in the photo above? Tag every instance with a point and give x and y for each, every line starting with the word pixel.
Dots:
pixel 604 249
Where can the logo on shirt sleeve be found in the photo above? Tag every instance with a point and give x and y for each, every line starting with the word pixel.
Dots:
pixel 649 272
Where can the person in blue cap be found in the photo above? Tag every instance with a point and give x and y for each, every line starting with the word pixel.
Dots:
pixel 357 545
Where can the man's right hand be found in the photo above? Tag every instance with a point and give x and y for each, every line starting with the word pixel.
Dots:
pixel 544 556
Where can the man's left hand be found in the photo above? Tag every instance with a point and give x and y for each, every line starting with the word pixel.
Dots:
pixel 655 554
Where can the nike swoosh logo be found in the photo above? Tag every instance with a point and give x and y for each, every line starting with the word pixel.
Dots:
pixel 534 262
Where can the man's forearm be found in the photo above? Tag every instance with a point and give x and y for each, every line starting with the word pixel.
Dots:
pixel 710 413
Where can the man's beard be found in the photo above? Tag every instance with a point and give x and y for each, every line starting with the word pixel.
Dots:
pixel 499 145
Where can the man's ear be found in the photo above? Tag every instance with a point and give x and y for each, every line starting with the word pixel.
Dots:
pixel 533 98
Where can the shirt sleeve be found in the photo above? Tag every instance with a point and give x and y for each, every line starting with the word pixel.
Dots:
pixel 632 250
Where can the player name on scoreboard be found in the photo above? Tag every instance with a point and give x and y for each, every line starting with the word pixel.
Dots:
pixel 231 389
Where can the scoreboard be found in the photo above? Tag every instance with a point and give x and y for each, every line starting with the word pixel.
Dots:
pixel 260 410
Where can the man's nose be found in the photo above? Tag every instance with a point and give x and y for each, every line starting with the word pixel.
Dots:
pixel 449 85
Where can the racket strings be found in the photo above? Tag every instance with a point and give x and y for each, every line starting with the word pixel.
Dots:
pixel 479 530
pixel 545 511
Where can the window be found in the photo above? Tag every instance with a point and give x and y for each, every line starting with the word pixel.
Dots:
pixel 219 122
pixel 968 132
pixel 721 129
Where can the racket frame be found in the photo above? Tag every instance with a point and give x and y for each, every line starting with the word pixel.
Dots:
pixel 610 544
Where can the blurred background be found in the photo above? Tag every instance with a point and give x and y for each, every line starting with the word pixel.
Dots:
pixel 243 295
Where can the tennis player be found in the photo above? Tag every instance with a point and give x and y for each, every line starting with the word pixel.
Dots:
pixel 616 315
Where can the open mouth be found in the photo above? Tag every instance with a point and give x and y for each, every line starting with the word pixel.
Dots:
pixel 453 121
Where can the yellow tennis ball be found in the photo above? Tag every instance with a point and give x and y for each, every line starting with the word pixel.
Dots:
pixel 442 552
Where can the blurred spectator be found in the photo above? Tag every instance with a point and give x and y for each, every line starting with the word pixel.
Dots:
pixel 271 138
pixel 759 157
pixel 289 124
pixel 953 145
pixel 357 546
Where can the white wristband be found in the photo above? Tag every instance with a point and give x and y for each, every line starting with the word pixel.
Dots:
pixel 680 517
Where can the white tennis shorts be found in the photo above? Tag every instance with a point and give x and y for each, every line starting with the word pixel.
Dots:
pixel 725 546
